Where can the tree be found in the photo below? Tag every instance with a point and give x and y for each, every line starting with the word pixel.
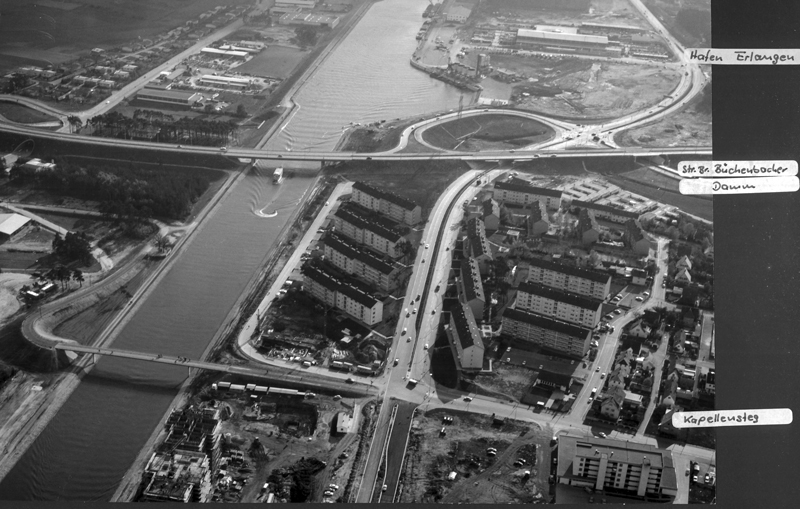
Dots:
pixel 241 111
pixel 306 35
pixel 161 242
pixel 75 123
pixel 77 275
pixel 62 274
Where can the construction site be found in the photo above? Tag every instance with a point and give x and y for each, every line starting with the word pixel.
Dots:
pixel 458 457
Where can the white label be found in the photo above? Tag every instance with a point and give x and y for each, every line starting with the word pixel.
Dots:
pixel 717 418
pixel 747 185
pixel 743 56
pixel 718 169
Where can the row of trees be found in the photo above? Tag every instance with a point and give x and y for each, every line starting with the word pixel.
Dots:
pixel 122 192
pixel 148 125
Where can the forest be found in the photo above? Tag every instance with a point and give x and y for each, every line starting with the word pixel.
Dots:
pixel 157 126
pixel 124 192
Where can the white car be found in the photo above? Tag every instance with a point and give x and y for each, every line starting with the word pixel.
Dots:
pixel 415 311
pixel 427 246
pixel 646 294
pixel 426 346
pixel 639 298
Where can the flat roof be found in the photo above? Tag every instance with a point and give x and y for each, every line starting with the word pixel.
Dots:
pixel 599 277
pixel 559 295
pixel 11 223
pixel 605 208
pixel 523 186
pixel 166 94
pixel 229 53
pixel 547 323
pixel 557 36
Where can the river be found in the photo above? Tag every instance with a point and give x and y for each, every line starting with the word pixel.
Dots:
pixel 90 444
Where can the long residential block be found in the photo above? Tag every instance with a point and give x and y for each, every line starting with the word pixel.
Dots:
pixel 338 294
pixel 570 278
pixel 617 467
pixel 398 208
pixel 470 286
pixel 565 306
pixel 521 192
pixel 607 212
pixel 476 245
pixel 348 257
pixel 466 337
pixel 546 332
pixel 367 231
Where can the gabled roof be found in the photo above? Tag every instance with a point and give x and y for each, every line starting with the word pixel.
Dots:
pixel 538 212
pixel 551 293
pixel 547 323
pixel 559 379
pixel 615 396
pixel 341 244
pixel 572 270
pixel 471 279
pixel 334 285
pixel 586 221
pixel 385 195
pixel 11 223
pixel 466 328
pixel 365 223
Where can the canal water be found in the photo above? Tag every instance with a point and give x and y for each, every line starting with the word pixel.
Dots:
pixel 88 447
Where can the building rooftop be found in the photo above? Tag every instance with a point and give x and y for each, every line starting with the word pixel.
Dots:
pixel 352 216
pixel 168 94
pixel 586 221
pixel 605 208
pixel 538 212
pixel 551 377
pixel 571 270
pixel 466 328
pixel 471 279
pixel 334 285
pixel 385 195
pixel 476 233
pixel 546 323
pixel 523 186
pixel 341 244
pixel 560 295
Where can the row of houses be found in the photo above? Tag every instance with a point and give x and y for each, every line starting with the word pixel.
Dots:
pixel 365 228
pixel 390 204
pixel 342 295
pixel 352 260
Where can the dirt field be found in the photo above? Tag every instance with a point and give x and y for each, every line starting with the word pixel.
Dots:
pixel 507 379
pixel 689 127
pixel 593 90
pixel 480 477
pixel 602 11
pixel 67 29
pixel 640 182
pixel 10 285
pixel 666 11
pixel 487 132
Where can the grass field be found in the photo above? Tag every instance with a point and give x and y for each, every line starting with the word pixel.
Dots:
pixel 490 128
pixel 274 62
pixel 22 114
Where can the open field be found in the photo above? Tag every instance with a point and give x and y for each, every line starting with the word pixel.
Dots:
pixel 639 182
pixel 480 477
pixel 691 126
pixel 22 114
pixel 694 30
pixel 487 132
pixel 87 24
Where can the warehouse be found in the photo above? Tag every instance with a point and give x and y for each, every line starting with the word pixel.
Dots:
pixel 225 53
pixel 552 40
pixel 225 81
pixel 169 96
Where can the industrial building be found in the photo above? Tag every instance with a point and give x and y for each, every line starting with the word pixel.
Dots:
pixel 569 278
pixel 353 301
pixel 169 96
pixel 560 40
pixel 521 192
pixel 396 207
pixel 368 231
pixel 216 52
pixel 564 306
pixel 11 224
pixel 349 258
pixel 310 19
pixel 530 329
pixel 225 82
pixel 619 468
pixel 613 214
pixel 177 477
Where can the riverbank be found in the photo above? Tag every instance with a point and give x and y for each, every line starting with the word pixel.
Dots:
pixel 35 411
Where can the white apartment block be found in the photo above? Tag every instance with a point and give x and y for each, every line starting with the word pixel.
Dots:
pixel 391 205
pixel 564 306
pixel 569 278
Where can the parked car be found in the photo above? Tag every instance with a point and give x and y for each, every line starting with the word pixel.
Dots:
pixel 467 399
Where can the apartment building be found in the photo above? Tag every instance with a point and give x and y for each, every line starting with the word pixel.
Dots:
pixel 466 337
pixel 588 228
pixel 470 287
pixel 396 207
pixel 636 239
pixel 558 304
pixel 538 221
pixel 368 231
pixel 531 328
pixel 349 258
pixel 613 214
pixel 615 467
pixel 353 301
pixel 521 192
pixel 569 278
pixel 476 245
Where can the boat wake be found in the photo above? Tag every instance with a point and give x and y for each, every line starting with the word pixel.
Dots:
pixel 261 213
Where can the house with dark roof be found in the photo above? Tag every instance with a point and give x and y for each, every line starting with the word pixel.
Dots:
pixel 530 329
pixel 392 205
pixel 363 229
pixel 639 277
pixel 611 403
pixel 466 338
pixel 566 306
pixel 683 275
pixel 470 286
pixel 570 278
pixel 522 192
pixel 684 263
pixel 588 228
pixel 613 214
pixel 639 470
pixel 537 220
pixel 348 257
pixel 341 295
pixel 476 245
pixel 491 215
